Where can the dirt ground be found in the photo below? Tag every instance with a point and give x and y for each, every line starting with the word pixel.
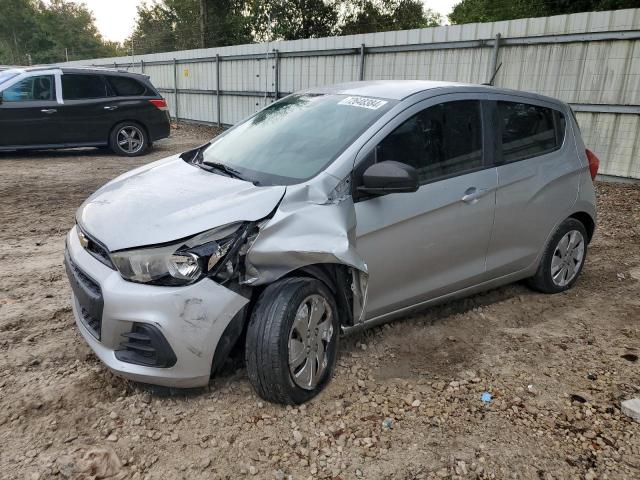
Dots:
pixel 405 402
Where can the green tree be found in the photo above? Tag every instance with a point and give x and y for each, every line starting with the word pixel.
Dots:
pixel 471 11
pixel 366 16
pixel 176 25
pixel 226 23
pixel 292 19
pixel 37 32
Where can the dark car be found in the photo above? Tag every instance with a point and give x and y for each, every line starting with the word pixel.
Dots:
pixel 59 107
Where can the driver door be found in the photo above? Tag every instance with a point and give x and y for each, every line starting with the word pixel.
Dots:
pixel 28 112
pixel 422 245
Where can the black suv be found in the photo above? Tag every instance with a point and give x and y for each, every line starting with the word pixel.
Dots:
pixel 59 107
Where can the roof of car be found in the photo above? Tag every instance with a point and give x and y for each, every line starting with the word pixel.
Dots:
pixel 401 89
pixel 78 69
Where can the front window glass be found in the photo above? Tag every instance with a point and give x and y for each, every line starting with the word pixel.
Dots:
pixel 6 76
pixel 296 138
pixel 42 88
pixel 441 141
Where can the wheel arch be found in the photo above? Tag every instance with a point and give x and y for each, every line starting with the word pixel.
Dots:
pixel 588 222
pixel 337 278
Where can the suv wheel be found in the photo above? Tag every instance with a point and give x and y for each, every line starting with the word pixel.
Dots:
pixel 129 139
pixel 292 340
pixel 563 258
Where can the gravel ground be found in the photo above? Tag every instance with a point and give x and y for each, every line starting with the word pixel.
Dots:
pixel 405 400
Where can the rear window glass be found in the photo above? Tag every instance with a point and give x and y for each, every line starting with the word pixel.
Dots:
pixel 126 87
pixel 529 130
pixel 82 87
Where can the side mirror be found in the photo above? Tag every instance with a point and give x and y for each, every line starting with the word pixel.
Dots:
pixel 389 177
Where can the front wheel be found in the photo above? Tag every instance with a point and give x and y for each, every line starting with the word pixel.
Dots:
pixel 129 139
pixel 292 340
pixel 563 258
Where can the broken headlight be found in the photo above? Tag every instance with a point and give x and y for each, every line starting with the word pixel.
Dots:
pixel 180 263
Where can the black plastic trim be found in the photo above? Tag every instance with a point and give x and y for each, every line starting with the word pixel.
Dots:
pixel 145 345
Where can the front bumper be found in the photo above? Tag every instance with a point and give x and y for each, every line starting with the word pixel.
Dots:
pixel 192 319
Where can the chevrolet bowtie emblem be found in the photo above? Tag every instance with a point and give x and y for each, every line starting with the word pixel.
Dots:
pixel 84 241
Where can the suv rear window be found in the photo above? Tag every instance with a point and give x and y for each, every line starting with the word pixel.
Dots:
pixel 82 87
pixel 529 130
pixel 127 87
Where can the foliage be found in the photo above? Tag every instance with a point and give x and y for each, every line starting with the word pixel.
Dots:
pixel 365 16
pixel 175 25
pixel 470 11
pixel 293 19
pixel 37 32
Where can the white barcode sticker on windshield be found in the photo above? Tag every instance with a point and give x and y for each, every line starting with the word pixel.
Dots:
pixel 363 102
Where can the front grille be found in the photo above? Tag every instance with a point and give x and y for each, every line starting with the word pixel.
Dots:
pixel 93 324
pixel 88 294
pixel 86 281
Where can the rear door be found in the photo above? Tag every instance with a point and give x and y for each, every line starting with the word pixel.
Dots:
pixel 425 244
pixel 538 179
pixel 131 97
pixel 85 117
pixel 29 112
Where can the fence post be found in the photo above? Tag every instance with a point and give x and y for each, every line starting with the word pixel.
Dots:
pixel 494 57
pixel 362 53
pixel 276 73
pixel 218 89
pixel 141 66
pixel 175 87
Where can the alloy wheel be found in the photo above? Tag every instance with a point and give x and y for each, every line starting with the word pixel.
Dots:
pixel 567 258
pixel 309 338
pixel 130 139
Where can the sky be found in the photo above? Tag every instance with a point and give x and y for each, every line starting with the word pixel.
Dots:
pixel 116 18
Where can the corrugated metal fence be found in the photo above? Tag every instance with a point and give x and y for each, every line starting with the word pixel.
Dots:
pixel 590 60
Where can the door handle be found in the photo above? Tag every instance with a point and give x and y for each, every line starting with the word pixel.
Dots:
pixel 472 194
pixel 48 111
pixel 111 107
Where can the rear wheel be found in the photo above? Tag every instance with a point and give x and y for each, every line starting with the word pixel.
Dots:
pixel 129 139
pixel 563 258
pixel 292 340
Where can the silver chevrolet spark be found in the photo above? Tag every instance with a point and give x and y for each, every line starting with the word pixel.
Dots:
pixel 329 211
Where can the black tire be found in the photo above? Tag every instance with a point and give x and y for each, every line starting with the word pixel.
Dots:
pixel 125 150
pixel 543 280
pixel 268 334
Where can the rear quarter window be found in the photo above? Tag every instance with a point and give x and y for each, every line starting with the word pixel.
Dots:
pixel 82 87
pixel 529 130
pixel 127 87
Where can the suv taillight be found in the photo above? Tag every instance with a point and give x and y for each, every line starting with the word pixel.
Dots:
pixel 594 164
pixel 160 104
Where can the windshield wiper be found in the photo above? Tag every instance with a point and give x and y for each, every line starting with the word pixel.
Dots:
pixel 232 172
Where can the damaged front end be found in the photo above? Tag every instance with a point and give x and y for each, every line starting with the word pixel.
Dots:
pixel 312 233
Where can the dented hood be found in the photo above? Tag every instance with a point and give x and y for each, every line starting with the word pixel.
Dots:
pixel 170 200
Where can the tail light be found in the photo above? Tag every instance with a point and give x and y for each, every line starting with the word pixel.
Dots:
pixel 160 104
pixel 594 164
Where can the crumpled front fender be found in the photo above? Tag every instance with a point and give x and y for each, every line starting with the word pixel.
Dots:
pixel 310 227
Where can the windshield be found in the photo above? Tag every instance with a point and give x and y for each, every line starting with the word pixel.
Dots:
pixel 7 75
pixel 296 138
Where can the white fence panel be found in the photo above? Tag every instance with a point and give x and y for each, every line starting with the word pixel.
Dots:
pixel 590 60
